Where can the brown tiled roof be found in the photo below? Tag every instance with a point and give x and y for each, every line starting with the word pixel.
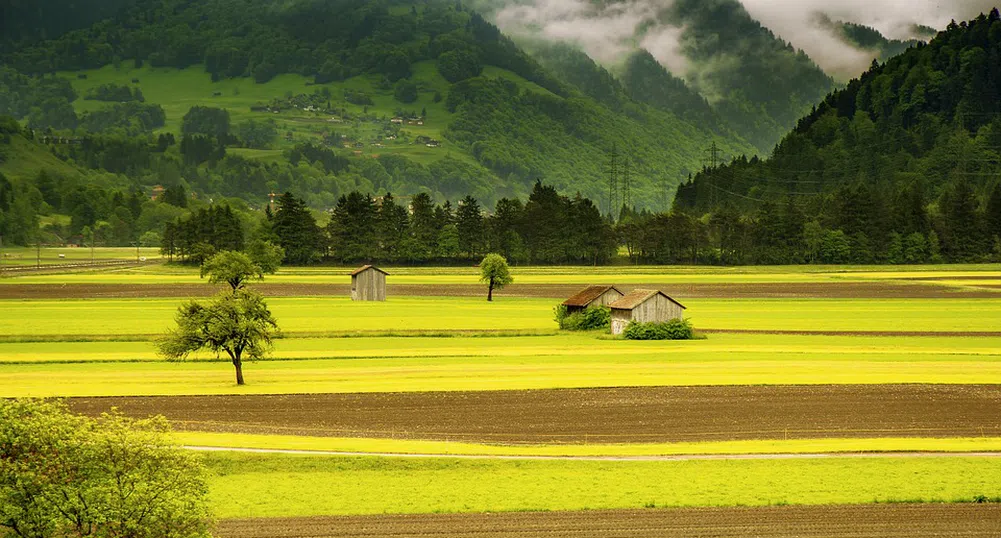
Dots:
pixel 638 297
pixel 366 268
pixel 587 295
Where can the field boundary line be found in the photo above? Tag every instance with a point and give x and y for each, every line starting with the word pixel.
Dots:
pixel 677 457
pixel 780 332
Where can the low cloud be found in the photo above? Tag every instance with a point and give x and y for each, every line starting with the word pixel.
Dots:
pixel 609 31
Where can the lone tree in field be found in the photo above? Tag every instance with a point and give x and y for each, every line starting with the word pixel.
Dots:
pixel 62 475
pixel 238 323
pixel 494 271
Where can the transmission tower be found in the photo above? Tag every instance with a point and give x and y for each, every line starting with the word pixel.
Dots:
pixel 613 179
pixel 712 163
pixel 627 199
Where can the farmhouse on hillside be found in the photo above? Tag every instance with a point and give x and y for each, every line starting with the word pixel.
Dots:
pixel 644 306
pixel 368 283
pixel 592 296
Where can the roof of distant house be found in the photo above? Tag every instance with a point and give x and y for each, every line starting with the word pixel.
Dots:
pixel 638 297
pixel 588 295
pixel 366 268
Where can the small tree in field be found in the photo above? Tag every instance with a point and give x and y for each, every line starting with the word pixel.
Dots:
pixel 238 323
pixel 494 271
pixel 236 268
pixel 233 268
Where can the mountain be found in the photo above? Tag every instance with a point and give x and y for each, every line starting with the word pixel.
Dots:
pixel 310 81
pixel 913 146
pixel 713 50
pixel 869 39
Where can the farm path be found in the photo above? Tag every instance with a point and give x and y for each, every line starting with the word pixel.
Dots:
pixel 839 521
pixel 678 457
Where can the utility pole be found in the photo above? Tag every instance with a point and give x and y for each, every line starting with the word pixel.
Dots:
pixel 38 251
pixel 1 250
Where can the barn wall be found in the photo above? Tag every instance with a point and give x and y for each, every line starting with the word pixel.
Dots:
pixel 657 309
pixel 608 298
pixel 368 286
pixel 620 318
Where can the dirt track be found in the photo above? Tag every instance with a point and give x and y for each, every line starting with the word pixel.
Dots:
pixel 870 521
pixel 831 290
pixel 618 415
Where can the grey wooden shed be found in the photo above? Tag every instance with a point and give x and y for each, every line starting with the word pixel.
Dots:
pixel 644 306
pixel 368 283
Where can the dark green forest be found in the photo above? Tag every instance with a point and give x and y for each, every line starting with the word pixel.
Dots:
pixel 901 165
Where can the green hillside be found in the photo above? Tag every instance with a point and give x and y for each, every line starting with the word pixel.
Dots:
pixel 312 78
pixel 911 149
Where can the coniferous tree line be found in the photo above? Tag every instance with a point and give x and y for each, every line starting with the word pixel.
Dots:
pixel 548 228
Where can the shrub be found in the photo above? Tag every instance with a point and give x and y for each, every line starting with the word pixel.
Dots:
pixel 587 320
pixel 675 329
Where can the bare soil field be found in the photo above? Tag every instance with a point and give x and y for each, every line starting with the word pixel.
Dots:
pixel 870 521
pixel 818 290
pixel 616 415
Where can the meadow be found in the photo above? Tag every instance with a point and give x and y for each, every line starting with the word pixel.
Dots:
pixel 438 340
pixel 286 485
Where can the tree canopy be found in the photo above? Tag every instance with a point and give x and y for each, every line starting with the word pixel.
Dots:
pixel 238 323
pixel 495 273
pixel 63 475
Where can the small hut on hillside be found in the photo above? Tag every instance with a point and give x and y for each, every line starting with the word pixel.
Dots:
pixel 368 283
pixel 644 306
pixel 592 296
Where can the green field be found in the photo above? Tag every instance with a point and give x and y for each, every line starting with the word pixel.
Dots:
pixel 957 275
pixel 103 347
pixel 102 318
pixel 278 485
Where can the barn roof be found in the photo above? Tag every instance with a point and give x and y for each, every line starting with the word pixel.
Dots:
pixel 638 297
pixel 587 295
pixel 364 268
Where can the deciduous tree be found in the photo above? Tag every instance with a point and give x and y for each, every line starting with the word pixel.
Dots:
pixel 495 273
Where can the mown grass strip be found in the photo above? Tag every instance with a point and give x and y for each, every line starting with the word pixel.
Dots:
pixel 409 446
pixel 516 372
pixel 245 485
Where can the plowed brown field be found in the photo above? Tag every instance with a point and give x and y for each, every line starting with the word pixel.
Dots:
pixel 616 415
pixel 832 290
pixel 870 521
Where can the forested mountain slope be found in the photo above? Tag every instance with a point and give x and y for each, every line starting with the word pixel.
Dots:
pixel 402 96
pixel 911 147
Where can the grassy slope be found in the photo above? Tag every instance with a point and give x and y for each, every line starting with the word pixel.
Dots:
pixel 178 90
pixel 272 486
pixel 24 159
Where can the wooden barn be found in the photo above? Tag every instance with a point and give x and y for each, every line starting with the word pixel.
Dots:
pixel 368 283
pixel 592 296
pixel 644 306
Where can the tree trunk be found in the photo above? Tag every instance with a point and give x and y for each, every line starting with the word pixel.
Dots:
pixel 238 364
pixel 490 291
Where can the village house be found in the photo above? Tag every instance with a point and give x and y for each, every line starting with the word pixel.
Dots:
pixel 398 121
pixel 592 296
pixel 644 306
pixel 368 283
